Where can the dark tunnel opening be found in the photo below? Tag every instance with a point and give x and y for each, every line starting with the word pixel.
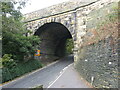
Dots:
pixel 53 38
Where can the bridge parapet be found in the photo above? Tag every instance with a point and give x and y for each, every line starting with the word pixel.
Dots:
pixel 57 9
pixel 74 15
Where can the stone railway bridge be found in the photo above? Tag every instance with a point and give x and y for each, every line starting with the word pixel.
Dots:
pixel 77 20
pixel 57 23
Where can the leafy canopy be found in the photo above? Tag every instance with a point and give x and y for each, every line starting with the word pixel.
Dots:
pixel 15 41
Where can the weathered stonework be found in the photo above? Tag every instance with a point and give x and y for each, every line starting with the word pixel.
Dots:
pixel 100 63
pixel 97 59
pixel 81 18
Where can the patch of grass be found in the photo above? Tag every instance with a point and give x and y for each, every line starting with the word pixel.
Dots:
pixel 21 69
pixel 37 88
pixel 111 17
pixel 108 26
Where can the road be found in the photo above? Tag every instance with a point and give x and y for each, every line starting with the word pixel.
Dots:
pixel 70 78
pixel 43 77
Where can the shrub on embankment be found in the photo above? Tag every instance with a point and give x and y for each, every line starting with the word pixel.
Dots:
pixel 98 57
pixel 12 70
pixel 18 47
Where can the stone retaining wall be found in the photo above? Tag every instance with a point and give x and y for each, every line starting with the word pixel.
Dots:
pixel 97 57
pixel 99 62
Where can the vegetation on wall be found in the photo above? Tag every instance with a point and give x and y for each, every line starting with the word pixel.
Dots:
pixel 104 28
pixel 98 58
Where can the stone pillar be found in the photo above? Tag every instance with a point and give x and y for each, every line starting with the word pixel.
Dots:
pixel 80 31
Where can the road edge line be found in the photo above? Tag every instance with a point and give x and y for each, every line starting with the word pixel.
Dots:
pixel 27 74
pixel 63 71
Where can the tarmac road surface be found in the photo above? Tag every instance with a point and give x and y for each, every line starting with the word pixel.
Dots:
pixel 43 77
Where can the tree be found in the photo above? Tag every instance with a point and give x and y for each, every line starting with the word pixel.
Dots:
pixel 13 33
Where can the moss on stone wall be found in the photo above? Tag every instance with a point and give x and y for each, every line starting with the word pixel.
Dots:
pixel 104 23
pixel 102 16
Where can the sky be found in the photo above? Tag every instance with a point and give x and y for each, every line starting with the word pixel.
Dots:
pixel 34 5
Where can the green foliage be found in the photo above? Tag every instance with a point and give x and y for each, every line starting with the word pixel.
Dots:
pixel 38 87
pixel 8 8
pixel 111 17
pixel 0 75
pixel 114 15
pixel 20 69
pixel 17 47
pixel 0 63
pixel 69 46
pixel 22 45
pixel 7 61
pixel 15 41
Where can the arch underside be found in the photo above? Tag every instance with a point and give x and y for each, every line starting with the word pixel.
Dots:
pixel 53 38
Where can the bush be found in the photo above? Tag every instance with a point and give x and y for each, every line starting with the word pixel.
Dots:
pixel 23 46
pixel 7 61
pixel 69 46
pixel 19 69
pixel 17 46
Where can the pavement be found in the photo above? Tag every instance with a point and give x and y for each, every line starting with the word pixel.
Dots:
pixel 60 74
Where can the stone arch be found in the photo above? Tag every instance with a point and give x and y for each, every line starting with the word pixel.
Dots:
pixel 66 21
pixel 53 37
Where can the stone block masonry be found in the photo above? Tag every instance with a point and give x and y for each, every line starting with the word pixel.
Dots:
pixel 99 62
pixel 95 48
pixel 97 57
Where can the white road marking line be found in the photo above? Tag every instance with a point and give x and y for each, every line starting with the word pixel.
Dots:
pixel 62 72
pixel 27 74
